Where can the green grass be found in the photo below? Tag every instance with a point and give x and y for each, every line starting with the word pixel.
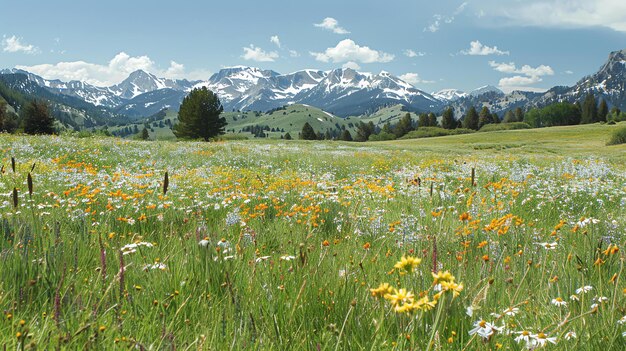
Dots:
pixel 297 233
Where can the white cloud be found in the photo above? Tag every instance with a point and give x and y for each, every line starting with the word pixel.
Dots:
pixel 14 44
pixel 438 19
pixel 524 76
pixel 414 79
pixel 478 49
pixel 331 24
pixel 112 73
pixel 411 53
pixel 257 54
pixel 347 50
pixel 352 65
pixel 558 13
pixel 294 53
pixel 568 72
pixel 275 40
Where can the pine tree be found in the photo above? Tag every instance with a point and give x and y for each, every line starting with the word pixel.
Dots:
pixel 447 120
pixel 37 118
pixel 432 120
pixel 519 115
pixel 308 133
pixel 404 126
pixel 423 121
pixel 603 111
pixel 144 134
pixel 287 136
pixel 387 128
pixel 495 118
pixel 484 117
pixel 346 136
pixel 509 117
pixel 364 130
pixel 589 110
pixel 471 119
pixel 199 116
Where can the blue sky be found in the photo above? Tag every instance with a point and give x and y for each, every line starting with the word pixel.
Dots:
pixel 513 44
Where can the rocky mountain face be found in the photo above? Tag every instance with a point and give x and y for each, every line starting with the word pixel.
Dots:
pixel 343 92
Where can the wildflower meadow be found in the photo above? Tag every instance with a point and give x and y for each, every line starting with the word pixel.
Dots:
pixel 274 245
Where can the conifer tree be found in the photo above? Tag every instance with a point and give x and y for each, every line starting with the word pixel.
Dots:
pixel 447 120
pixel 471 119
pixel 484 117
pixel 603 111
pixel 199 116
pixel 37 118
pixel 346 136
pixel 404 126
pixel 308 133
pixel 589 110
pixel 519 115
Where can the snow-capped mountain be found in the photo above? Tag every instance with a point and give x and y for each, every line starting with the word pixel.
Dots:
pixel 344 92
pixel 141 82
pixel 347 92
pixel 449 95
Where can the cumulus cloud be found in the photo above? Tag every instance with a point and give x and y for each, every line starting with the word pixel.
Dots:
pixel 414 79
pixel 439 19
pixel 253 53
pixel 116 70
pixel 347 50
pixel 14 44
pixel 331 24
pixel 275 40
pixel 524 76
pixel 411 53
pixel 478 49
pixel 557 13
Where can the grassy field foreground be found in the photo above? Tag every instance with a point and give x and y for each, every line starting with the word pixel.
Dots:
pixel 322 245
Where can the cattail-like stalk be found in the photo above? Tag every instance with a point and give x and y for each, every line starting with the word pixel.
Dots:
pixel 2 170
pixel 473 176
pixel 33 167
pixel 166 183
pixel 13 164
pixel 15 199
pixel 29 180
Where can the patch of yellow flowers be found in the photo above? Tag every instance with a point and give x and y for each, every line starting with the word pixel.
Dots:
pixel 404 301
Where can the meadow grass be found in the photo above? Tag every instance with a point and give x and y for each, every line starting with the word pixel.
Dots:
pixel 288 245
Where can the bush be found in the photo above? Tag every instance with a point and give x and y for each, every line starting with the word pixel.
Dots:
pixel 429 132
pixel 233 137
pixel 505 126
pixel 618 137
pixel 382 136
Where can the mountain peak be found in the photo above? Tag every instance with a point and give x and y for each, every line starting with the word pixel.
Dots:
pixel 486 89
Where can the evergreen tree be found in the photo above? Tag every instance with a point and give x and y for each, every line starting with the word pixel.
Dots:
pixel 509 117
pixel 603 111
pixel 484 117
pixel 387 128
pixel 307 132
pixel 589 110
pixel 471 119
pixel 346 136
pixel 144 134
pixel 287 136
pixel 37 118
pixel 364 130
pixel 423 120
pixel 3 114
pixel 432 120
pixel 495 118
pixel 327 135
pixel 404 126
pixel 519 114
pixel 199 116
pixel 447 120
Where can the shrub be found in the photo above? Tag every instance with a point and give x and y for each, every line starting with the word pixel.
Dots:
pixel 505 126
pixel 618 137
pixel 429 132
pixel 382 136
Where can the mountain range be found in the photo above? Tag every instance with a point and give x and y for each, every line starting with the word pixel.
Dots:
pixel 342 92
